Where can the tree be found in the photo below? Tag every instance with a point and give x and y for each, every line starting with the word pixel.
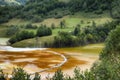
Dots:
pixel 43 31
pixel 93 24
pixel 2 75
pixel 62 24
pixel 109 62
pixel 20 74
pixel 53 26
pixel 77 30
pixel 12 30
pixel 21 36
pixel 58 75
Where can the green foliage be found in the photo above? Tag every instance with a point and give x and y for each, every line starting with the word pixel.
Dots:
pixel 86 35
pixel 2 75
pixel 43 31
pixel 108 66
pixel 12 30
pixel 38 10
pixel 20 74
pixel 77 30
pixel 8 12
pixel 24 34
pixel 79 75
pixel 30 26
pixel 58 75
pixel 107 70
pixel 21 36
pixel 62 24
pixel 53 26
pixel 64 39
pixel 37 77
pixel 112 44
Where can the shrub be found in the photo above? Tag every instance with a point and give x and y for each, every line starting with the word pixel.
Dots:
pixel 2 75
pixel 58 75
pixel 12 30
pixel 44 31
pixel 20 74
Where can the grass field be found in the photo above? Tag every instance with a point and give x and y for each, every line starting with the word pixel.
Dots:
pixel 71 20
pixel 3 30
pixel 16 22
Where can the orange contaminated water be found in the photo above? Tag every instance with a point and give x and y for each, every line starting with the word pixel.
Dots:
pixel 41 59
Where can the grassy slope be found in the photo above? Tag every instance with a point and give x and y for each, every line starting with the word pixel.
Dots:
pixel 16 22
pixel 3 31
pixel 32 42
pixel 71 21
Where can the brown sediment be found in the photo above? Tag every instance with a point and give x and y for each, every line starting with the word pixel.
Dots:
pixel 43 59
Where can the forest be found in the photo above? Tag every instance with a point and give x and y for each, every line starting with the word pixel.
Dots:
pixel 38 10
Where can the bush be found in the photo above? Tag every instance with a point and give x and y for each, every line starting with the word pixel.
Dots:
pixel 2 75
pixel 58 75
pixel 20 74
pixel 65 39
pixel 30 26
pixel 21 36
pixel 108 67
pixel 12 30
pixel 43 31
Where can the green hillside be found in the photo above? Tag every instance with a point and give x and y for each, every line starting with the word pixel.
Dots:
pixel 37 10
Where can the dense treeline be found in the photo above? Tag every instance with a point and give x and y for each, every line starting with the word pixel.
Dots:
pixel 8 12
pixel 38 10
pixel 85 35
pixel 65 39
pixel 19 35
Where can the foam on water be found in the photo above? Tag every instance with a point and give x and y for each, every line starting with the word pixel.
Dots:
pixel 9 48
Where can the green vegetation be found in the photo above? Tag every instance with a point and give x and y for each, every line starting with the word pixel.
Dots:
pixel 21 36
pixel 31 42
pixel 12 30
pixel 109 63
pixel 69 37
pixel 37 10
pixel 64 39
pixel 19 74
pixel 26 33
pixel 83 36
pixel 43 31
